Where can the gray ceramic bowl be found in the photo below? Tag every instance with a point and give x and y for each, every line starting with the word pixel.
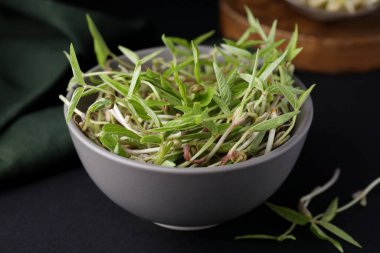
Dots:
pixel 326 16
pixel 189 198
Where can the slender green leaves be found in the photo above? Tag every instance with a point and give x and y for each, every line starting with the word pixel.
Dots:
pixel 119 130
pixel 322 235
pixel 101 49
pixel 275 122
pixel 135 77
pixel 77 73
pixel 331 211
pixel 289 214
pixel 119 87
pixel 339 232
pixel 132 56
pixel 201 38
pixel 223 88
pixel 74 102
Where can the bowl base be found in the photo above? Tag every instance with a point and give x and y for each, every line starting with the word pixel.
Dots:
pixel 179 228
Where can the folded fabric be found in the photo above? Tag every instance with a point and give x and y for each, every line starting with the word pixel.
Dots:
pixel 33 71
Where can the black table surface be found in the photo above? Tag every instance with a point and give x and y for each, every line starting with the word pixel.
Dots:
pixel 66 212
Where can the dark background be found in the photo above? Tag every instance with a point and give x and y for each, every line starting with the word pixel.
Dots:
pixel 49 204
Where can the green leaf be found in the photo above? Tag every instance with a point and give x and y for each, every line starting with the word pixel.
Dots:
pixel 77 73
pixel 196 61
pixel 201 38
pixel 122 89
pixel 136 108
pixel 223 106
pixel 211 126
pixel 119 151
pixel 275 122
pixel 322 235
pixel 272 33
pixel 132 56
pixel 119 130
pixel 150 56
pixel 169 44
pixel 135 76
pixel 223 88
pixel 205 97
pixel 181 86
pixel 244 37
pixel 339 232
pixel 292 45
pixel 288 94
pixel 256 83
pixel 304 96
pixel 101 49
pixel 330 211
pixel 232 76
pixel 151 139
pixel 237 51
pixel 149 111
pixel 100 104
pixel 289 214
pixel 156 103
pixel 269 70
pixel 109 141
pixel 74 102
pixel 168 163
pixel 179 41
pixel 255 24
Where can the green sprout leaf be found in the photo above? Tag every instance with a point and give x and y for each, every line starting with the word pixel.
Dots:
pixel 289 214
pixel 135 76
pixel 339 232
pixel 155 139
pixel 201 38
pixel 122 89
pixel 101 49
pixel 275 122
pixel 331 211
pixel 77 73
pixel 119 130
pixel 132 56
pixel 322 235
pixel 74 102
pixel 304 96
pixel 223 87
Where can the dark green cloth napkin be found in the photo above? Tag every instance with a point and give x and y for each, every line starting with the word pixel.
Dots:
pixel 33 71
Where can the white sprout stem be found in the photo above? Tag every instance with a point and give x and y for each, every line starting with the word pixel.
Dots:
pixel 220 142
pixel 248 142
pixel 100 73
pixel 360 196
pixel 141 151
pixel 119 117
pixel 242 138
pixel 163 116
pixel 272 134
pixel 320 189
pixel 176 135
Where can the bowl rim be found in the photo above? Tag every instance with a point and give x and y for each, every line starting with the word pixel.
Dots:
pixel 299 132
